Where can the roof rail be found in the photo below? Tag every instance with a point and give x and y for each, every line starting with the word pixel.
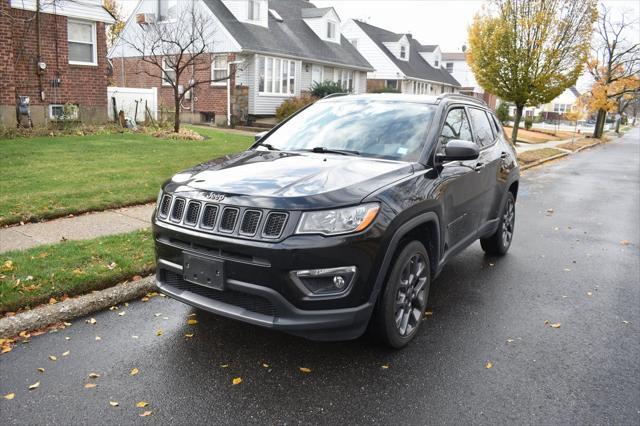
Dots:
pixel 462 98
pixel 334 95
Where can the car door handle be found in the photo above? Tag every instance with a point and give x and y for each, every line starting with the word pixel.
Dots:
pixel 504 155
pixel 479 167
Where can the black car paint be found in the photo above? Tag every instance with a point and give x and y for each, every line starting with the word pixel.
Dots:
pixel 448 204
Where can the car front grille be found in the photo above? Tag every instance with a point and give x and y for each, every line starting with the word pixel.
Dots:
pixel 220 219
pixel 250 302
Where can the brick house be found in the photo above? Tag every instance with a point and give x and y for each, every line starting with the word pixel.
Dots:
pixel 279 47
pixel 72 68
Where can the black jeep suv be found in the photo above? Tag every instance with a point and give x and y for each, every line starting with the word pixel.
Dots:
pixel 339 218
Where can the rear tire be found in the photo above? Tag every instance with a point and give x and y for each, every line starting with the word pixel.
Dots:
pixel 498 244
pixel 400 308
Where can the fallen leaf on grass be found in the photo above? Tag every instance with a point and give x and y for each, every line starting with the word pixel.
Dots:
pixel 236 380
pixel 93 375
pixel 52 301
pixel 488 365
pixel 41 370
pixel 141 404
pixel 112 266
pixel 36 385
pixel 7 266
pixel 145 414
pixel 91 321
pixel 9 396
pixel 134 371
pixel 113 403
pixel 192 322
pixel 90 385
pixel 53 357
pixel 305 370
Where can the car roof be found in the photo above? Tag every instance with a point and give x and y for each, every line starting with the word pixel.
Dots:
pixel 401 97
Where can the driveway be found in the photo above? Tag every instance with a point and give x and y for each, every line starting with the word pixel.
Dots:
pixel 576 265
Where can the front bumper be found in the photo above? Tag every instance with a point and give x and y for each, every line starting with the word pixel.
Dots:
pixel 258 287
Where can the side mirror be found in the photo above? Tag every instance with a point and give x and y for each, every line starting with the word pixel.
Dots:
pixel 259 136
pixel 459 150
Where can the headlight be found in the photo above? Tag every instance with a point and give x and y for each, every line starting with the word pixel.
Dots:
pixel 338 221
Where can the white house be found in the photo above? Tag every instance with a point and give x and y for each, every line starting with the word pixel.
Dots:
pixel 278 47
pixel 401 63
pixel 561 104
pixel 456 64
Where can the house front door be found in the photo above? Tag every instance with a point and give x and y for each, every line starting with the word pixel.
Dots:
pixel 316 74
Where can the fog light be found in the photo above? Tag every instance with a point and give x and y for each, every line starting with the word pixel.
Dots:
pixel 325 282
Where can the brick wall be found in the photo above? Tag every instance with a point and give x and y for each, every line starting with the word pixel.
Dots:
pixel 208 98
pixel 83 85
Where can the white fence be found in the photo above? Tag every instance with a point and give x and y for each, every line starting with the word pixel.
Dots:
pixel 126 98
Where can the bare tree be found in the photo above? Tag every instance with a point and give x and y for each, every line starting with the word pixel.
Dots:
pixel 614 65
pixel 176 51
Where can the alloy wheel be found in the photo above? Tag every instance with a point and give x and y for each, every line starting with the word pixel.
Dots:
pixel 411 295
pixel 508 223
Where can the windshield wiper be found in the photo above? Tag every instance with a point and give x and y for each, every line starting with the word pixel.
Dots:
pixel 269 147
pixel 323 150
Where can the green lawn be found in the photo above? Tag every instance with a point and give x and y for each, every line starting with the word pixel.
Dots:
pixel 47 177
pixel 31 277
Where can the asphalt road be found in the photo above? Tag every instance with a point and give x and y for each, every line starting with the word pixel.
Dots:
pixel 566 267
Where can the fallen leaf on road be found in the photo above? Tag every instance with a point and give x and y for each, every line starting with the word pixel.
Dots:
pixel 236 380
pixel 625 242
pixel 36 385
pixel 428 313
pixel 550 212
pixel 91 321
pixel 113 308
pixel 136 278
pixel 555 325
pixel 192 322
pixel 567 270
pixel 385 366
pixel 589 293
pixel 122 313
pixel 192 315
pixel 159 332
pixel 90 385
pixel 488 365
pixel 141 404
pixel 145 299
pixel 510 340
pixel 157 314
pixel 66 353
pixel 224 365
pixel 41 370
pixel 93 375
pixel 145 414
pixel 188 335
pixel 9 396
pixel 265 365
pixel 625 322
pixel 134 337
pixel 67 338
pixel 113 403
pixel 134 371
pixel 53 357
pixel 67 324
pixel 98 338
pixel 305 370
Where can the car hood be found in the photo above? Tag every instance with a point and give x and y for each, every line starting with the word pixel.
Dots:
pixel 289 179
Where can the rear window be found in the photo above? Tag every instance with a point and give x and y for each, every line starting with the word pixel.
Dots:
pixel 483 129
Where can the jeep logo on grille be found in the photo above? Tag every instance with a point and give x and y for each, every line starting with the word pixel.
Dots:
pixel 214 196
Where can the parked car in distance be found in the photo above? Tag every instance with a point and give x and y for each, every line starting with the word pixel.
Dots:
pixel 338 219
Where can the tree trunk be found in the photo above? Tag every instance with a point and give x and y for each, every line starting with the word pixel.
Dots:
pixel 176 116
pixel 618 125
pixel 600 119
pixel 516 123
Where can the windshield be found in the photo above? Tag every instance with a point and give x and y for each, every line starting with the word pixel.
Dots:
pixel 375 128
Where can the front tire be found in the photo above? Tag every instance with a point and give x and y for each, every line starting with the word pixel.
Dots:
pixel 498 244
pixel 401 306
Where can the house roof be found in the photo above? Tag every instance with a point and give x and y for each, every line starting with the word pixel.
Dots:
pixel 454 56
pixel 574 91
pixel 290 37
pixel 416 66
pixel 428 47
pixel 315 12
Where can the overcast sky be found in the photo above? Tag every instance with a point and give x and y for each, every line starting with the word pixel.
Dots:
pixel 442 22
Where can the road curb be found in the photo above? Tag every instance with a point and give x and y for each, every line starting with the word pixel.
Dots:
pixel 45 315
pixel 582 148
pixel 544 160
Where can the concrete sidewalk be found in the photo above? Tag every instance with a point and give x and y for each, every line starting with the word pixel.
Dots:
pixel 524 147
pixel 82 227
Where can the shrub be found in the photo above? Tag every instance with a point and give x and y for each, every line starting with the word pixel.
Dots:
pixel 385 90
pixel 502 112
pixel 528 122
pixel 292 105
pixel 320 90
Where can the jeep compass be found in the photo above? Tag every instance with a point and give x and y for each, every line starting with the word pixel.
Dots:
pixel 337 220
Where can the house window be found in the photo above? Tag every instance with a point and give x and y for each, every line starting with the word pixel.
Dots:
pixel 449 66
pixel 219 70
pixel 63 112
pixel 276 76
pixel 391 84
pixel 403 52
pixel 437 63
pixel 327 73
pixel 167 10
pixel 82 42
pixel 331 30
pixel 168 71
pixel 345 78
pixel 254 10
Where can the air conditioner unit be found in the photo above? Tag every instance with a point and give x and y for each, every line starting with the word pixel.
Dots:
pixel 145 18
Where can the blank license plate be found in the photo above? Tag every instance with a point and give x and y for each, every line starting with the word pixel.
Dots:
pixel 203 271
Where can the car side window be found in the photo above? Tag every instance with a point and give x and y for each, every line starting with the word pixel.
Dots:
pixel 456 126
pixel 482 127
